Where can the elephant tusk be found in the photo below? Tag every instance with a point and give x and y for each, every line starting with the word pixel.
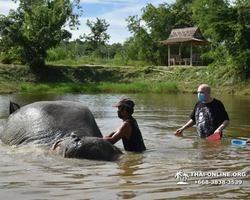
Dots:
pixel 56 146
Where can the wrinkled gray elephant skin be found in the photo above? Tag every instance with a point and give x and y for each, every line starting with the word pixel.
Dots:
pixel 68 126
pixel 86 148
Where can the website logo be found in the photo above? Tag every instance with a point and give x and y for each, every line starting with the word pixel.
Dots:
pixel 182 177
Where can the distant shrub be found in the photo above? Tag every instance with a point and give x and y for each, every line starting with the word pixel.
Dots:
pixel 103 87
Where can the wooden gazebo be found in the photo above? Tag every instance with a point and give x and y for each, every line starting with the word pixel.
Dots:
pixel 191 36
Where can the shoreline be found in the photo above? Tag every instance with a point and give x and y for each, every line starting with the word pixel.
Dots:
pixel 16 79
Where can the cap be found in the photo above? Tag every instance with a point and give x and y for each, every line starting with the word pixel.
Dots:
pixel 125 101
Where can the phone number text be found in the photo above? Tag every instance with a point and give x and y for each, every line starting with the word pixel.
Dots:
pixel 218 182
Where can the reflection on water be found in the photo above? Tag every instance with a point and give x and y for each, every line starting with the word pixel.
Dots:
pixel 33 172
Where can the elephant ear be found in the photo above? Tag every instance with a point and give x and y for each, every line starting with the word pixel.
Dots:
pixel 13 107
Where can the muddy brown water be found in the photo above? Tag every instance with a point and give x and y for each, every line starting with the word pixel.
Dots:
pixel 216 170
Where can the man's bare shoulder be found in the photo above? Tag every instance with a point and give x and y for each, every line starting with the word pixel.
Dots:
pixel 125 124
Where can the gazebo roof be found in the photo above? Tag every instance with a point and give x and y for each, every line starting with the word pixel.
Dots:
pixel 190 35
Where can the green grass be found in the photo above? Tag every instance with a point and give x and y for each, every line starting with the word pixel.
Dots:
pixel 103 87
pixel 125 79
pixel 97 61
pixel 8 88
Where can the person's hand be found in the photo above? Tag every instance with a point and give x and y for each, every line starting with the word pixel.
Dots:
pixel 178 131
pixel 219 131
pixel 248 141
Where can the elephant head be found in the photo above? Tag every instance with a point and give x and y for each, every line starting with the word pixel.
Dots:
pixel 86 148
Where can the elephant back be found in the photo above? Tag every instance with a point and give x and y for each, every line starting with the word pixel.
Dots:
pixel 45 122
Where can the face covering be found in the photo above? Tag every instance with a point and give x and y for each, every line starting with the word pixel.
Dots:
pixel 201 97
pixel 119 114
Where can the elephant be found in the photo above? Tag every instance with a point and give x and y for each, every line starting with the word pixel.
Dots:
pixel 67 127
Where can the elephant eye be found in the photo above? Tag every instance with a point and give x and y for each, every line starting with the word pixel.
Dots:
pixel 73 135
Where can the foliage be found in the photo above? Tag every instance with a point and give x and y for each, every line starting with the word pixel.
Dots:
pixel 154 26
pixel 96 61
pixel 35 27
pixel 228 27
pixel 65 51
pixel 35 32
pixel 98 36
pixel 78 51
pixel 97 79
pixel 103 87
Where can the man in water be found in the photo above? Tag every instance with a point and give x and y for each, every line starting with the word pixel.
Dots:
pixel 209 114
pixel 128 131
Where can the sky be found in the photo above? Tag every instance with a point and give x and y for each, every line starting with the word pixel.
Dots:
pixel 113 11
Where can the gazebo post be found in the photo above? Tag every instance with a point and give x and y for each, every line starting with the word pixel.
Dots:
pixel 180 49
pixel 202 53
pixel 169 55
pixel 191 55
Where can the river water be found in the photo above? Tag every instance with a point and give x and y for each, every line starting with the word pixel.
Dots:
pixel 37 173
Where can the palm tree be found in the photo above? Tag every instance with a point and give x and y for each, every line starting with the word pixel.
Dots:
pixel 179 175
pixel 182 176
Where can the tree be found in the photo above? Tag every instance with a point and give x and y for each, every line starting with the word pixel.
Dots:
pixel 36 26
pixel 98 36
pixel 141 42
pixel 114 49
pixel 154 26
pixel 228 27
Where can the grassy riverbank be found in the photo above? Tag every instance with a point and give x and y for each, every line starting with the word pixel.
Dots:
pixel 126 79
